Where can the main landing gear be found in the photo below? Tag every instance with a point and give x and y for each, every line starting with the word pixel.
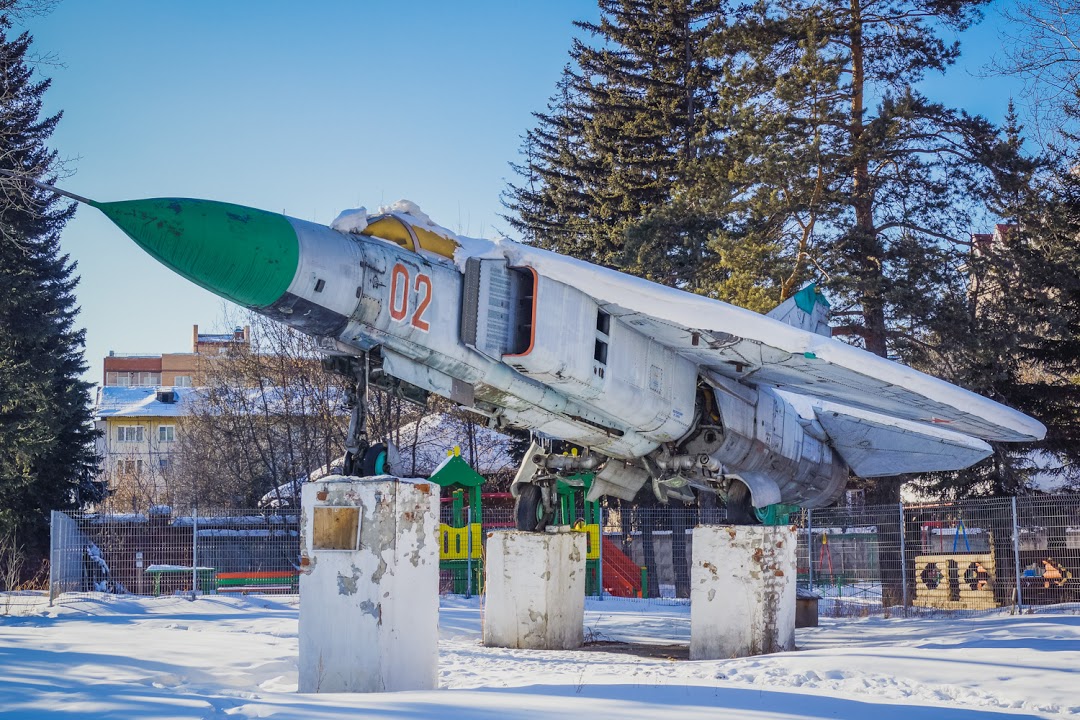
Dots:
pixel 534 488
pixel 530 511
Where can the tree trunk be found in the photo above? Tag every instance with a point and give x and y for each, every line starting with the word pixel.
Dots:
pixel 862 198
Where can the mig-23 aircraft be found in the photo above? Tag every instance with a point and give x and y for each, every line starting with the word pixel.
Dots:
pixel 658 387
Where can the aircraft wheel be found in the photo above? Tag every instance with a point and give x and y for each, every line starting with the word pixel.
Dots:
pixel 529 511
pixel 740 509
pixel 375 460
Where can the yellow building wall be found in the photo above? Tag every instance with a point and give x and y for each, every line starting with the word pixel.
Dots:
pixel 149 451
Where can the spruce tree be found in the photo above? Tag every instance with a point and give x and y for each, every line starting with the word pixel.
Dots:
pixel 617 142
pixel 47 459
pixel 550 205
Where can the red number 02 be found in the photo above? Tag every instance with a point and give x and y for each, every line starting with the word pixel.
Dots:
pixel 399 296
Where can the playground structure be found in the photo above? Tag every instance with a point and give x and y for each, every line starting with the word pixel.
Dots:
pixel 841 561
pixel 956 578
pixel 461 536
pixel 461 541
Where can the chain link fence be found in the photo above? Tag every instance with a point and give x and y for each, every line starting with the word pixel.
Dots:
pixel 953 558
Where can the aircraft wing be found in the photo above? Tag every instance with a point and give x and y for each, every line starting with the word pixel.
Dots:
pixel 758 350
pixel 876 445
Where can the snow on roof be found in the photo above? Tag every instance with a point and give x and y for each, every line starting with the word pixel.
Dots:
pixel 117 401
pixel 424 445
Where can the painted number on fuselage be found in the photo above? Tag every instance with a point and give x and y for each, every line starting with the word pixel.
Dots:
pixel 399 297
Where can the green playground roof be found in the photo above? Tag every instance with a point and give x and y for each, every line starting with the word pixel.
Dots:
pixel 455 471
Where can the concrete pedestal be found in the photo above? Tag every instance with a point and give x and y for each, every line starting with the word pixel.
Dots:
pixel 742 591
pixel 535 590
pixel 369 586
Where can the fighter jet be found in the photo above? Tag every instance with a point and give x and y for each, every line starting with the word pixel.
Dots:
pixel 658 387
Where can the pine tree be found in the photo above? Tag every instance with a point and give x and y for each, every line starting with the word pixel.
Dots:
pixel 47 459
pixel 772 169
pixel 874 196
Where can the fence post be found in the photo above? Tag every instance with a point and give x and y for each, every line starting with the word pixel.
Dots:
pixel 810 547
pixel 52 557
pixel 600 557
pixel 194 551
pixel 1016 557
pixel 468 551
pixel 903 560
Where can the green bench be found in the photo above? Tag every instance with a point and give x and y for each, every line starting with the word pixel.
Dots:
pixel 285 581
pixel 205 576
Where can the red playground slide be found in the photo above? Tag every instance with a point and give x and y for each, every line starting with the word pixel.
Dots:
pixel 622 578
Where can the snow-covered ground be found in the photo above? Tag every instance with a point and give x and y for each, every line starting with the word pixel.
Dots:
pixel 235 657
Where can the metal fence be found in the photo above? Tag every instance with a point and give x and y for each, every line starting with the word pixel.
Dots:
pixel 972 556
pixel 157 552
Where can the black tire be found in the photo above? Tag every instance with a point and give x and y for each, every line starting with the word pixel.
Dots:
pixel 529 509
pixel 375 460
pixel 740 507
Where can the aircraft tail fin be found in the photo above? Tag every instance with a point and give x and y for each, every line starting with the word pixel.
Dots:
pixel 807 310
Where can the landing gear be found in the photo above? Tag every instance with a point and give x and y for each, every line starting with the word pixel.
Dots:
pixel 530 513
pixel 534 484
pixel 375 462
pixel 356 439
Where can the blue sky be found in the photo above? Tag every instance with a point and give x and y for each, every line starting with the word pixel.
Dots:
pixel 307 108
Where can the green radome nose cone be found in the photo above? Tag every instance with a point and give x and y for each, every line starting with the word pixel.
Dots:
pixel 245 255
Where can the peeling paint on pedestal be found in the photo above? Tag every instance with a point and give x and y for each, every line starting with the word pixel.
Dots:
pixel 369 615
pixel 742 591
pixel 535 590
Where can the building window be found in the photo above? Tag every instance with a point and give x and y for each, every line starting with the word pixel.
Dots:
pixel 166 433
pixel 182 381
pixel 129 433
pixel 129 467
pixel 133 379
pixel 163 464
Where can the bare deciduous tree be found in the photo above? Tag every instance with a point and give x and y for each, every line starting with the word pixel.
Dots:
pixel 1042 46
pixel 266 415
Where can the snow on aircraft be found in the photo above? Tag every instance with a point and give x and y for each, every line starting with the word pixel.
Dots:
pixel 659 387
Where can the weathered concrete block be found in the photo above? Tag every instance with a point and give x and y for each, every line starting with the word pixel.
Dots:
pixel 369 590
pixel 535 590
pixel 742 591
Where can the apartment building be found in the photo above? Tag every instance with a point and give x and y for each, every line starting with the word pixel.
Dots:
pixel 138 407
